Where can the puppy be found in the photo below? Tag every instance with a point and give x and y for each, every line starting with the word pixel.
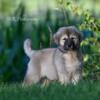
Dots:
pixel 63 63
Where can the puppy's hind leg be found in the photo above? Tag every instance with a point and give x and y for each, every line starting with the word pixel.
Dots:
pixel 33 74
pixel 44 81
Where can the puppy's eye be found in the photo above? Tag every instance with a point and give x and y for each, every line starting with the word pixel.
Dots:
pixel 64 38
pixel 73 38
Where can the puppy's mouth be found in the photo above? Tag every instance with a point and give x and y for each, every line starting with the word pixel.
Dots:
pixel 66 48
pixel 69 45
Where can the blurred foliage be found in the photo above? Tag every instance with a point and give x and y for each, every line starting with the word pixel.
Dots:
pixel 13 61
pixel 90 27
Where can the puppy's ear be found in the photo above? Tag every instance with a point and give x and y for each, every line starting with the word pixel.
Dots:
pixel 56 38
pixel 80 36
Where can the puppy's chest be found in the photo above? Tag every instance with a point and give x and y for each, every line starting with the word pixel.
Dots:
pixel 71 62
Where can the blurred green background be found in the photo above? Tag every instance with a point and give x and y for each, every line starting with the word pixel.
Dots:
pixel 39 20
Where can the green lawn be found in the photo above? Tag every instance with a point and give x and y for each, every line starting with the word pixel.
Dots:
pixel 83 91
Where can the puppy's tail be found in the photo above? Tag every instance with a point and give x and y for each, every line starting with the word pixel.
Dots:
pixel 28 48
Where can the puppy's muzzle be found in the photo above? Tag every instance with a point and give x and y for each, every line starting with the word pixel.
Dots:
pixel 69 44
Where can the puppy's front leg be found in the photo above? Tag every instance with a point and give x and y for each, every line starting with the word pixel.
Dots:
pixel 64 78
pixel 62 74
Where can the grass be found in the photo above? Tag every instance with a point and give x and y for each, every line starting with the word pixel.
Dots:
pixel 86 90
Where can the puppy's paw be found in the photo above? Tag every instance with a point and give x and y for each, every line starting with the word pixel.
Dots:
pixel 75 79
pixel 63 79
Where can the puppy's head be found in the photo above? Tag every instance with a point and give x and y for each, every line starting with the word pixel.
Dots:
pixel 68 38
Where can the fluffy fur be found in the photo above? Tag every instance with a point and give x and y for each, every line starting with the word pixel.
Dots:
pixel 63 63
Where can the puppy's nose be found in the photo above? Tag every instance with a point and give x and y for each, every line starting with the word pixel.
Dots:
pixel 68 44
